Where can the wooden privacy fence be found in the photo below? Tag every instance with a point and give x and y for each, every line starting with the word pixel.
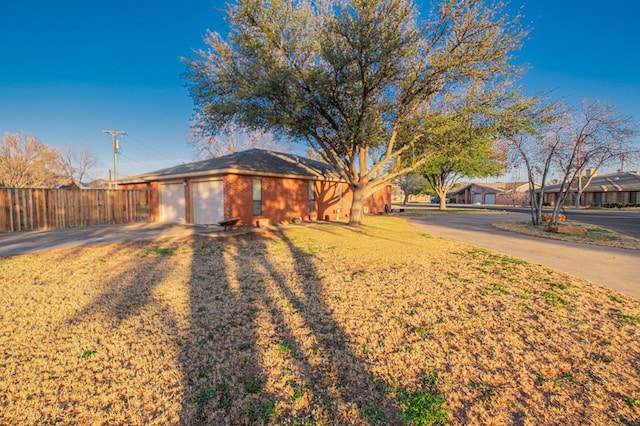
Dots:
pixel 27 209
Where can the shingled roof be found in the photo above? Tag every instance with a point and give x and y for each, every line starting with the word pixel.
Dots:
pixel 255 161
pixel 621 181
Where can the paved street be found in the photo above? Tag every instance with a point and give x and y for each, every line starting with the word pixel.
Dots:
pixel 624 221
pixel 609 267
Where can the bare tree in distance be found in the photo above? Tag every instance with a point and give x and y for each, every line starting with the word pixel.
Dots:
pixel 230 140
pixel 549 137
pixel 78 164
pixel 593 137
pixel 25 162
pixel 530 131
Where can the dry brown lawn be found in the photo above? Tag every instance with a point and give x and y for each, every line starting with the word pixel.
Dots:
pixel 322 324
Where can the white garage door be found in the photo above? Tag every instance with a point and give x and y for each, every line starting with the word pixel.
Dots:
pixel 477 198
pixel 208 205
pixel 172 206
pixel 490 198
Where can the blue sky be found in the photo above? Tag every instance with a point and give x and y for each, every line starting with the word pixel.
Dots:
pixel 71 69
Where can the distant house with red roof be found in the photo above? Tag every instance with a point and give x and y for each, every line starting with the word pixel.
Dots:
pixel 509 193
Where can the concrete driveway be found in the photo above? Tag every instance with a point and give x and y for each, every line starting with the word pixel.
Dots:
pixel 28 242
pixel 610 267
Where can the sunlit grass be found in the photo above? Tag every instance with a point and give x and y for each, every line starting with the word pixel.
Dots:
pixel 324 324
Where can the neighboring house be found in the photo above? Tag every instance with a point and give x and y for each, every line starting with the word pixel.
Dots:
pixel 510 193
pixel 258 186
pixel 616 188
pixel 72 184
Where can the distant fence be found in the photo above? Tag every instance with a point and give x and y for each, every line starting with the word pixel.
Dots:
pixel 26 209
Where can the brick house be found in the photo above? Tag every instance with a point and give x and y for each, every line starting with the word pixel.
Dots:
pixel 510 193
pixel 622 188
pixel 258 186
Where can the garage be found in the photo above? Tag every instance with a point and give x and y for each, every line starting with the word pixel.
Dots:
pixel 489 198
pixel 172 205
pixel 208 204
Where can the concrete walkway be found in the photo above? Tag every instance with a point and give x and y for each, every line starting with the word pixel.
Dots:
pixel 610 267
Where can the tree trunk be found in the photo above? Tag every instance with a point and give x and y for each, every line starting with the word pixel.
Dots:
pixel 356 214
pixel 406 198
pixel 443 199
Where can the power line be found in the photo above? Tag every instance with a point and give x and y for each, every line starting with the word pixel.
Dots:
pixel 114 134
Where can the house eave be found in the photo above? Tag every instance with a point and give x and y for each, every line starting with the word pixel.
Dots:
pixel 222 172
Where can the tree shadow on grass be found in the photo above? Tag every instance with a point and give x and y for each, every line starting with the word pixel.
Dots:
pixel 107 355
pixel 241 332
pixel 269 349
pixel 349 381
pixel 222 379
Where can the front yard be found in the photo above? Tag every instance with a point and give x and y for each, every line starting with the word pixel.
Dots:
pixel 305 325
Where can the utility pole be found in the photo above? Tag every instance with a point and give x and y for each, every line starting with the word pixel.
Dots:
pixel 114 134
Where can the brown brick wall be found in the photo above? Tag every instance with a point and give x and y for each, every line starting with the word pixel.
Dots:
pixel 238 198
pixel 283 199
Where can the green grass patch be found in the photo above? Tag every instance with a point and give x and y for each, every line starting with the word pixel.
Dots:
pixel 262 411
pixel 555 299
pixel 424 406
pixel 629 319
pixel 633 402
pixel 497 287
pixel 254 385
pixel 373 415
pixel 88 353
pixel 163 251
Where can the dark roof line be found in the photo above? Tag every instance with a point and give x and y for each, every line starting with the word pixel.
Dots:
pixel 258 161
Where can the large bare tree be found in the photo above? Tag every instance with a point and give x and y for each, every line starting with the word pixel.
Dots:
pixel 349 77
pixel 25 162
